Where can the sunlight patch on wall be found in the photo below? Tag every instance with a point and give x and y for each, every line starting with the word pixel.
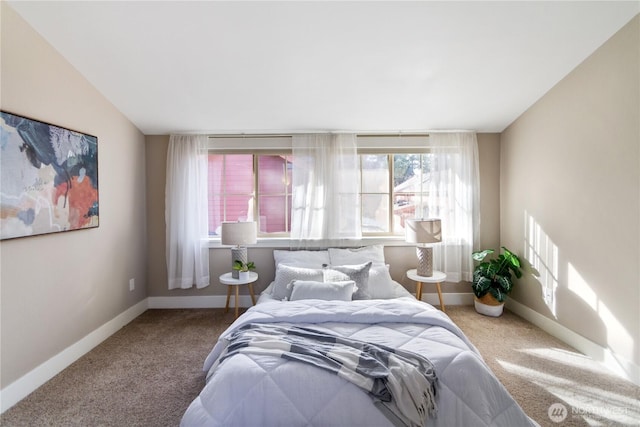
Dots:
pixel 542 254
pixel 618 339
pixel 579 286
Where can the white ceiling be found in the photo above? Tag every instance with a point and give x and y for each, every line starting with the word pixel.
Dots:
pixel 177 66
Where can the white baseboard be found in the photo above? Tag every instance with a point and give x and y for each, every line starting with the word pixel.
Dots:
pixel 205 301
pixel 219 301
pixel 617 364
pixel 23 386
pixel 449 298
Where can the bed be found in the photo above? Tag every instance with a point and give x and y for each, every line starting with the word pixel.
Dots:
pixel 347 294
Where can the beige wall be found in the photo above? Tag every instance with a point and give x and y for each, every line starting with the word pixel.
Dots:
pixel 570 197
pixel 56 289
pixel 401 259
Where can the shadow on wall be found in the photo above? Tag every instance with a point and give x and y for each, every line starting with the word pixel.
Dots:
pixel 566 294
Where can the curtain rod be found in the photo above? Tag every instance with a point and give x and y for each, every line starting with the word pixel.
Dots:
pixel 282 135
pixel 248 135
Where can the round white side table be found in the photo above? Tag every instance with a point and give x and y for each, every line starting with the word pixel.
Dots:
pixel 437 278
pixel 227 279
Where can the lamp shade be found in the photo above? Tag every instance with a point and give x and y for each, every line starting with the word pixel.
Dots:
pixel 239 233
pixel 423 231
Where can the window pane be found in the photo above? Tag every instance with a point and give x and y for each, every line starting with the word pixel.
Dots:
pixel 375 173
pixel 408 183
pixel 215 185
pixel 239 174
pixel 215 172
pixel 426 210
pixel 274 193
pixel 274 174
pixel 406 172
pixel 239 208
pixel 404 207
pixel 228 174
pixel 216 214
pixel 375 213
pixel 427 159
pixel 273 213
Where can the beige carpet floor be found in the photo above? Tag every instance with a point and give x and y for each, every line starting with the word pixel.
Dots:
pixel 148 372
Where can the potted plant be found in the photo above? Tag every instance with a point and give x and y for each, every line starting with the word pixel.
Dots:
pixel 243 269
pixel 492 280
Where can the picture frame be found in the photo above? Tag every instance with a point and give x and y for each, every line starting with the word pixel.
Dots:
pixel 48 178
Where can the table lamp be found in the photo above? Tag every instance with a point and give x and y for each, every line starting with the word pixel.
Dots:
pixel 239 234
pixel 424 232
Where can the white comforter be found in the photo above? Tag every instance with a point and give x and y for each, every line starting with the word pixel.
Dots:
pixel 251 390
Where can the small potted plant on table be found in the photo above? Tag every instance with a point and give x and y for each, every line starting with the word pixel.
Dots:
pixel 243 269
pixel 492 280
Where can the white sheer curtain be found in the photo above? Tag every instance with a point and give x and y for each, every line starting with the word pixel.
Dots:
pixel 326 182
pixel 453 196
pixel 186 212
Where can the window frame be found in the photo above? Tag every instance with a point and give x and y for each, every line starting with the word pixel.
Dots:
pixel 224 193
pixel 281 145
pixel 256 204
pixel 390 183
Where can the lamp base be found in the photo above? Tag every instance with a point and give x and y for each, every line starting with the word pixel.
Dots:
pixel 238 254
pixel 425 261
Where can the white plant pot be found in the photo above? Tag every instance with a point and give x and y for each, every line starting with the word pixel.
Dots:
pixel 488 310
pixel 243 275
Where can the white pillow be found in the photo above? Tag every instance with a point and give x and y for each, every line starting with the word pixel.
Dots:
pixel 357 273
pixel 309 259
pixel 285 274
pixel 381 285
pixel 374 253
pixel 328 291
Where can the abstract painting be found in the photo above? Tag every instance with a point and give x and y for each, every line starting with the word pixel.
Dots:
pixel 48 178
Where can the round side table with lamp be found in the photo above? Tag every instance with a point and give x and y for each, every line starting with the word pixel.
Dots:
pixel 425 232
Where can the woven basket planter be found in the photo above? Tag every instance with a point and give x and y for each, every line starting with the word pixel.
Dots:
pixel 488 305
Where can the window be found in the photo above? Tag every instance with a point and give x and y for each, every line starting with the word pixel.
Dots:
pixel 274 194
pixel 231 189
pixel 402 176
pixel 258 187
pixel 375 193
pixel 394 187
pixel 233 181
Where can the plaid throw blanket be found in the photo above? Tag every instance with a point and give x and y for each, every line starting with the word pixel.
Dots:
pixel 402 384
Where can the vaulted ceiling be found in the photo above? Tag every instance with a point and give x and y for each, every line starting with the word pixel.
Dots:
pixel 210 66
